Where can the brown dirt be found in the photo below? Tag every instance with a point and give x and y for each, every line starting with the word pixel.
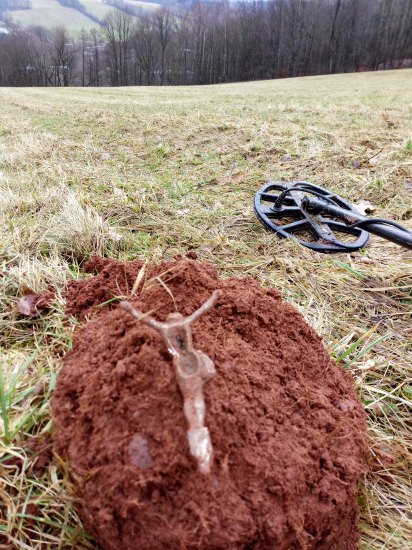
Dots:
pixel 287 428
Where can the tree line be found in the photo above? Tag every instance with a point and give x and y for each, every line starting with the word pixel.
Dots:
pixel 213 42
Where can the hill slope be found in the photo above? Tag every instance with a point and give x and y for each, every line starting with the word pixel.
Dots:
pixel 50 13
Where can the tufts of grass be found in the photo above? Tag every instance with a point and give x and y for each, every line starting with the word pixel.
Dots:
pixel 52 220
pixel 152 173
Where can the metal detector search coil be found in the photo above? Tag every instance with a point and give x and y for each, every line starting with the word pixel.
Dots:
pixel 319 219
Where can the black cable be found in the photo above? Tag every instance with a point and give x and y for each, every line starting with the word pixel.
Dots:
pixel 360 224
pixel 380 220
pixel 281 197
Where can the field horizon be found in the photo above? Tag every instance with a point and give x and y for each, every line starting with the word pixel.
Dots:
pixel 153 172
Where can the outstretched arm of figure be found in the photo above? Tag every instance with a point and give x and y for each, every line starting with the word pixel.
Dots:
pixel 205 307
pixel 140 316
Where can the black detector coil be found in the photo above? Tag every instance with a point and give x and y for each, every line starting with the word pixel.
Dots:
pixel 283 208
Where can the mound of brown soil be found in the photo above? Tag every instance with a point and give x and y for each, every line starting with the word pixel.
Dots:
pixel 287 429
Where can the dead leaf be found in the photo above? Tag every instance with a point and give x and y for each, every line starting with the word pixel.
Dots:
pixel 26 304
pixel 238 177
pixel 32 304
pixel 365 207
pixel 362 259
pixel 206 248
pixel 38 389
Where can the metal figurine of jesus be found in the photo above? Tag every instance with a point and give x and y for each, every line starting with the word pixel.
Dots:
pixel 193 368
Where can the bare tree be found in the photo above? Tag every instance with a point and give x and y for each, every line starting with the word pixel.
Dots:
pixel 63 56
pixel 163 24
pixel 144 41
pixel 117 28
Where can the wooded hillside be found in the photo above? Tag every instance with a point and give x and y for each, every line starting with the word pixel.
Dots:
pixel 214 42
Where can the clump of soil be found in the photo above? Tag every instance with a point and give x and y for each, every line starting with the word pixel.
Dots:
pixel 287 429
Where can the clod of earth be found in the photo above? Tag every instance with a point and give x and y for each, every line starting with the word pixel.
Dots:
pixel 288 431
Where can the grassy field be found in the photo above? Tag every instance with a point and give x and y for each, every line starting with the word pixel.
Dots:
pixel 156 172
pixel 50 14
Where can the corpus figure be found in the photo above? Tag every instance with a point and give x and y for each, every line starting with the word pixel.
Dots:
pixel 193 368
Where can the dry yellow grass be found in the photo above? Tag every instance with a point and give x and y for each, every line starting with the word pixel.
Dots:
pixel 153 172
